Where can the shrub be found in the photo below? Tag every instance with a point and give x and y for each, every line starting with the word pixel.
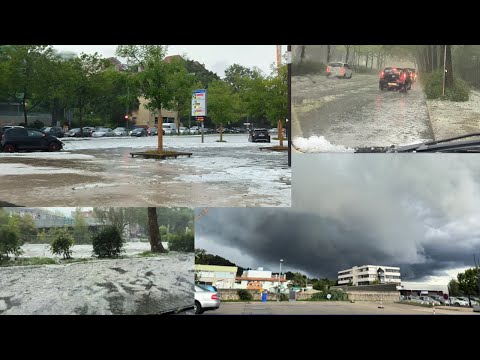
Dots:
pixel 433 86
pixel 307 68
pixel 359 69
pixel 245 295
pixel 108 243
pixel 283 297
pixel 62 243
pixel 181 242
pixel 336 295
pixel 9 242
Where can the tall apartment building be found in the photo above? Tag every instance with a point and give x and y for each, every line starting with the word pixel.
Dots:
pixel 368 274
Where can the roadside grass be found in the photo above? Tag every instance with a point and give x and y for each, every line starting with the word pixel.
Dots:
pixel 413 303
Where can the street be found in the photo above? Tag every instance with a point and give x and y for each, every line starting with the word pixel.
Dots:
pixel 355 113
pixel 93 172
pixel 329 308
pixel 133 285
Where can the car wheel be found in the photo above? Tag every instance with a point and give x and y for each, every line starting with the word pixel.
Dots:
pixel 53 146
pixel 381 87
pixel 351 74
pixel 10 148
pixel 198 308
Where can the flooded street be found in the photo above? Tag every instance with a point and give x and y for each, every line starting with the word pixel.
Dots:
pixel 354 113
pixel 135 285
pixel 101 171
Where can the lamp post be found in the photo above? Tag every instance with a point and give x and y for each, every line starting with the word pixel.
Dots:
pixel 279 276
pixel 289 103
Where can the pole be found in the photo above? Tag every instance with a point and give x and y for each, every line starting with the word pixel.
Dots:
pixel 444 68
pixel 202 132
pixel 289 103
pixel 279 276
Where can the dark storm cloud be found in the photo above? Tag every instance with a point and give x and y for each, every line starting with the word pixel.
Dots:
pixel 419 212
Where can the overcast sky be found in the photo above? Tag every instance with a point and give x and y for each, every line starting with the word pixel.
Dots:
pixel 215 57
pixel 417 211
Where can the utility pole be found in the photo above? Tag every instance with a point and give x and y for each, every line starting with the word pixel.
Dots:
pixel 444 68
pixel 289 103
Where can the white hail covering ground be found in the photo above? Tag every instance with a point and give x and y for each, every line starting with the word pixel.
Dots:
pixel 135 285
pixel 316 144
pixel 83 251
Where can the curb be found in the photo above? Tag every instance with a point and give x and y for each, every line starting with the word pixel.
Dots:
pixel 430 124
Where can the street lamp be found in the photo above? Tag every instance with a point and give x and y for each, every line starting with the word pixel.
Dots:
pixel 279 276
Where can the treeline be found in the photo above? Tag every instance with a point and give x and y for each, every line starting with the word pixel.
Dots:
pixel 99 91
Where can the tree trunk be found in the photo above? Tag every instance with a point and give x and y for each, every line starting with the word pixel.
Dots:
pixel 366 61
pixel 348 53
pixel 449 68
pixel 24 101
pixel 302 53
pixel 328 53
pixel 280 132
pixel 371 62
pixel 434 58
pixel 221 131
pixel 155 239
pixel 160 131
pixel 429 58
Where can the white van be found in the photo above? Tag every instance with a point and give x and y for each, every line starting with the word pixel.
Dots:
pixel 169 128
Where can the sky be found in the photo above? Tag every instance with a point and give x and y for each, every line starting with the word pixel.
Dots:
pixel 215 57
pixel 417 211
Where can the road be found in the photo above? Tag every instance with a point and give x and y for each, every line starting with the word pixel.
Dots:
pixel 135 285
pixel 328 308
pixel 100 172
pixel 355 113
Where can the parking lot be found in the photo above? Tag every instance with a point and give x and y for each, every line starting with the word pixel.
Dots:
pixel 330 308
pixel 101 171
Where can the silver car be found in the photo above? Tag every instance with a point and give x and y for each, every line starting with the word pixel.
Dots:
pixel 205 300
pixel 120 131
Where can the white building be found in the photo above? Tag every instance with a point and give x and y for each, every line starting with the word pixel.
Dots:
pixel 260 279
pixel 368 274
pixel 222 277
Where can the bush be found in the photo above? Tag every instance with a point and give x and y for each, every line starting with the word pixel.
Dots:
pixel 37 124
pixel 62 243
pixel 359 69
pixel 283 297
pixel 9 242
pixel 182 242
pixel 307 68
pixel 245 295
pixel 336 295
pixel 433 86
pixel 108 243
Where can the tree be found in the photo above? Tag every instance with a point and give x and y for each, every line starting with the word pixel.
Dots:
pixel 468 283
pixel 347 55
pixel 277 94
pixel 155 239
pixel 454 288
pixel 448 67
pixel 9 242
pixel 222 104
pixel 80 228
pixel 236 75
pixel 115 216
pixel 25 72
pixel 62 243
pixel 155 79
pixel 108 243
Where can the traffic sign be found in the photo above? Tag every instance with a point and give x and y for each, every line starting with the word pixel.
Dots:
pixel 445 296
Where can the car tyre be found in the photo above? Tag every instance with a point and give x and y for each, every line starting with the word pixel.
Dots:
pixel 198 308
pixel 10 148
pixel 351 74
pixel 53 146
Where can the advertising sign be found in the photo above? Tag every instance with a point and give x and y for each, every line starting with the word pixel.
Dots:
pixel 199 102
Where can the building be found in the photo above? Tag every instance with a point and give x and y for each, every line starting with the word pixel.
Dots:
pixel 260 279
pixel 369 274
pixel 145 117
pixel 222 277
pixel 422 289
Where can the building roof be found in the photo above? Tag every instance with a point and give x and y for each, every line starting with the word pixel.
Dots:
pixel 416 286
pixel 245 278
pixel 216 268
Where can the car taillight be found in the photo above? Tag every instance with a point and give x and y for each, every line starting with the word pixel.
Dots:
pixel 382 74
pixel 404 76
pixel 342 71
pixel 214 297
pixel 328 69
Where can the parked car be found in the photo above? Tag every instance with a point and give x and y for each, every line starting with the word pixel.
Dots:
pixel 465 298
pixel 458 302
pixel 56 131
pixel 183 130
pixel 103 132
pixel 259 135
pixel 339 69
pixel 138 132
pixel 75 132
pixel 205 300
pixel 194 130
pixel 120 131
pixel 430 300
pixel 153 131
pixel 3 128
pixel 21 139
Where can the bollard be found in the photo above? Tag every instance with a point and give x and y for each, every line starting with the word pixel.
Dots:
pixel 433 309
pixel 381 305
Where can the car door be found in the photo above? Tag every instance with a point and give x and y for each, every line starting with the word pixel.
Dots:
pixel 36 140
pixel 17 137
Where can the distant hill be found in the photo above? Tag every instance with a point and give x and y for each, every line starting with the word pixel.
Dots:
pixel 203 258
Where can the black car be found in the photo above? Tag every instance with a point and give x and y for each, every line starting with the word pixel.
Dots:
pixel 18 139
pixel 259 135
pixel 56 131
pixel 139 132
pixel 153 131
pixel 394 78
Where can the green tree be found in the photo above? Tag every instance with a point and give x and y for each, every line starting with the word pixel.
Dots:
pixel 277 94
pixel 181 242
pixel 236 75
pixel 454 288
pixel 25 74
pixel 62 243
pixel 468 283
pixel 107 243
pixel 9 242
pixel 80 228
pixel 116 216
pixel 156 79
pixel 222 104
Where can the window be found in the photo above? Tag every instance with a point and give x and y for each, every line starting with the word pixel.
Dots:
pixel 16 132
